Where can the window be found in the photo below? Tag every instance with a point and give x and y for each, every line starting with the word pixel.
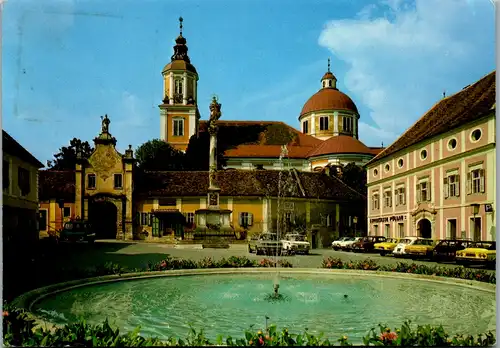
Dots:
pixel 190 218
pixel 246 219
pixel 452 144
pixel 146 219
pixel 400 163
pixel 375 230
pixel 400 196
pixel 387 167
pixel 91 181
pixel 423 154
pixel 329 83
pixel 401 230
pixel 375 172
pixel 347 124
pixel 387 199
pixel 118 181
pixel 451 186
pixel 323 123
pixel 6 174
pixel 178 127
pixel 305 127
pixel 66 212
pixel 23 181
pixel 386 230
pixel 475 181
pixel 42 220
pixel 178 91
pixel 375 201
pixel 475 135
pixel 423 193
pixel 289 218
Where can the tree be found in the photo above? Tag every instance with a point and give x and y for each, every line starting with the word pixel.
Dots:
pixel 65 159
pixel 157 154
pixel 197 153
pixel 352 175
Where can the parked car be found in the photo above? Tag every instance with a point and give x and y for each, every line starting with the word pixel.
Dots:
pixel 422 248
pixel 399 250
pixel 295 243
pixel 265 243
pixel 366 244
pixel 478 253
pixel 386 247
pixel 336 243
pixel 347 245
pixel 446 249
pixel 77 230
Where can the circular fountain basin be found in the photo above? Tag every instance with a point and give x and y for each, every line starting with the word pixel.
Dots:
pixel 228 301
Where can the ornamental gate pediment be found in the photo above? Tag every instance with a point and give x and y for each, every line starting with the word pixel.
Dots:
pixel 104 160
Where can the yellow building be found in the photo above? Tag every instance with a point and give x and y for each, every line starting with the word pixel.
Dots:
pixel 20 192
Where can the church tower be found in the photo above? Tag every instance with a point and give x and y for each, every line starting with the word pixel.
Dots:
pixel 179 115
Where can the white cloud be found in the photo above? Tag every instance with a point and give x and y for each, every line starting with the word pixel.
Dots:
pixel 402 55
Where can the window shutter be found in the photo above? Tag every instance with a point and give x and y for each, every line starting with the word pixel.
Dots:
pixel 396 197
pixel 404 196
pixel 149 219
pixel 390 198
pixel 240 219
pixel 469 183
pixel 446 188
pixel 250 219
pixel 481 173
pixel 429 191
pixel 373 202
pixel 419 194
pixel 457 185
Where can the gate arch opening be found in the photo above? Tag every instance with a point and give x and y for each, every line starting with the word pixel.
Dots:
pixel 424 228
pixel 103 216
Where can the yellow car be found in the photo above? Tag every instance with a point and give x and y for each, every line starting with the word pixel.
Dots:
pixel 421 249
pixel 386 247
pixel 481 253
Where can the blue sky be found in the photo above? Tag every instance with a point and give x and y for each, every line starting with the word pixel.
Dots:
pixel 67 62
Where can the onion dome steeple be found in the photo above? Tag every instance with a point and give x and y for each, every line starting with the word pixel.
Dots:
pixel 180 49
pixel 329 80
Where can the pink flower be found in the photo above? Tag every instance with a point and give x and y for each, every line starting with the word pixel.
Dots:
pixel 388 336
pixel 5 313
pixel 261 341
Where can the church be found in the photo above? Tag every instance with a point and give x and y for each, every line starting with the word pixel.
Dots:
pixel 125 203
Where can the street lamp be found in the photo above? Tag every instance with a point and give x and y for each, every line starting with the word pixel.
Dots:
pixel 355 221
pixel 475 211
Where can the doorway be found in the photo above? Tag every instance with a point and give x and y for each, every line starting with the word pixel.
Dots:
pixel 452 228
pixel 424 228
pixel 103 217
pixel 475 224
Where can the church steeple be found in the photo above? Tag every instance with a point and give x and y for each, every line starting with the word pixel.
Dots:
pixel 329 80
pixel 180 49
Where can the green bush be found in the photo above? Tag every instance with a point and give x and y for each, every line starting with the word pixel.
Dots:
pixel 18 330
pixel 403 267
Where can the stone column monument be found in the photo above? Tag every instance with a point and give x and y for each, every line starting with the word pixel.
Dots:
pixel 213 224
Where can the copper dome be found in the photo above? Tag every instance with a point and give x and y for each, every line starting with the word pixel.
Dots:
pixel 179 64
pixel 328 99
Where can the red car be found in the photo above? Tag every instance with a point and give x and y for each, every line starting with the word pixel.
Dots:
pixel 367 243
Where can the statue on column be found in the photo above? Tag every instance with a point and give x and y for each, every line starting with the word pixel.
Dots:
pixel 215 114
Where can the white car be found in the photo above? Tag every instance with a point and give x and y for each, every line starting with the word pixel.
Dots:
pixel 346 245
pixel 399 250
pixel 295 243
pixel 336 243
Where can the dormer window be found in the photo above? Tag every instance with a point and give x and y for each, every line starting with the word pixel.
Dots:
pixel 329 83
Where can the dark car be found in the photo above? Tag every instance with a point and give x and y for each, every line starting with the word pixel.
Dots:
pixel 77 230
pixel 446 249
pixel 366 244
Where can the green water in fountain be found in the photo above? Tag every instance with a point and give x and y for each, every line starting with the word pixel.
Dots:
pixel 229 304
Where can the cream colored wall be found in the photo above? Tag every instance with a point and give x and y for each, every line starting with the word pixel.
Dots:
pixel 12 196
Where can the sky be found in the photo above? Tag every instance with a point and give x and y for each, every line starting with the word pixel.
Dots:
pixel 65 63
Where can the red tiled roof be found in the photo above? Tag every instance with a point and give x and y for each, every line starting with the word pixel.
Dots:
pixel 340 144
pixel 255 146
pixel 53 184
pixel 242 183
pixel 328 99
pixel 376 150
pixel 465 106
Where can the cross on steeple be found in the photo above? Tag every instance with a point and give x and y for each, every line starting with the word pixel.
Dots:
pixel 180 24
pixel 328 64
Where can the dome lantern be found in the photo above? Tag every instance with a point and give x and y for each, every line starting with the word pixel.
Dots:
pixel 329 80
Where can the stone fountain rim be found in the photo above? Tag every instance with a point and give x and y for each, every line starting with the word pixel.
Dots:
pixel 28 299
